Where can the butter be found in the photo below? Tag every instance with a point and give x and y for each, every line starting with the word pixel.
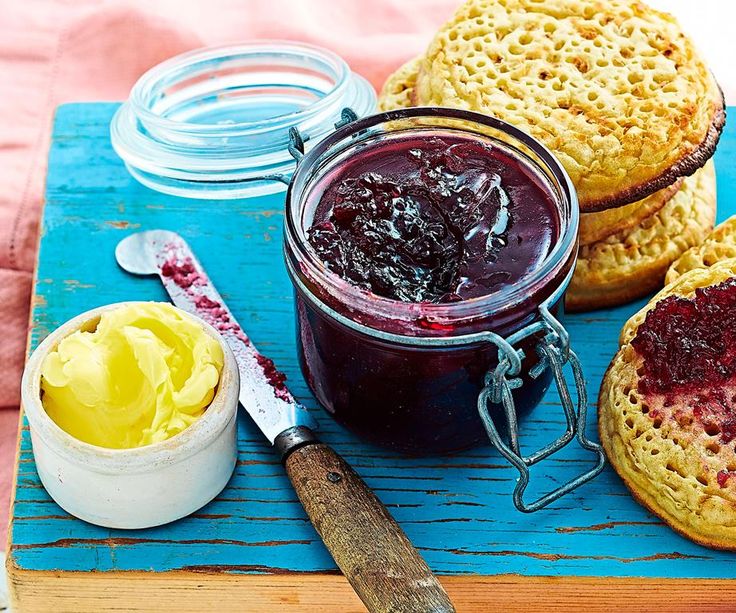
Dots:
pixel 145 373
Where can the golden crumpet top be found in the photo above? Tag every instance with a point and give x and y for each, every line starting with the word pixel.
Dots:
pixel 614 89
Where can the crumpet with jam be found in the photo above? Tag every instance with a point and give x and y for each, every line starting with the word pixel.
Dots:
pixel 667 406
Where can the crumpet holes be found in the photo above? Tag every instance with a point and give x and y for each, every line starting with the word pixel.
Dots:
pixel 672 468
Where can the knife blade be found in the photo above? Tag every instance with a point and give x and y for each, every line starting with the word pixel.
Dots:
pixel 263 392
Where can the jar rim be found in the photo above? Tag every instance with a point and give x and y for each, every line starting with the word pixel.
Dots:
pixel 142 88
pixel 214 122
pixel 500 300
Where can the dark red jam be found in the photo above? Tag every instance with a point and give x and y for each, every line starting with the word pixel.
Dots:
pixel 433 220
pixel 723 476
pixel 688 346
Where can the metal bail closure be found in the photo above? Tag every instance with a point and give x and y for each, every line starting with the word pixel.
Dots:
pixel 554 352
pixel 347 115
pixel 297 139
pixel 296 144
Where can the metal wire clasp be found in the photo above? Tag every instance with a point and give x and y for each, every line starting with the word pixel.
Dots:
pixel 554 352
pixel 296 146
pixel 297 139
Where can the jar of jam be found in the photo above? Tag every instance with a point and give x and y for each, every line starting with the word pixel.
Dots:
pixel 430 249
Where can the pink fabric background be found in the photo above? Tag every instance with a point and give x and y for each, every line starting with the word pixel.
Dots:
pixel 54 51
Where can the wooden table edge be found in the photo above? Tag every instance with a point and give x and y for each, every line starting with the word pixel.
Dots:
pixel 29 334
pixel 81 592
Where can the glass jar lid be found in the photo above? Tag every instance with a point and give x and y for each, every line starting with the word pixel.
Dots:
pixel 214 123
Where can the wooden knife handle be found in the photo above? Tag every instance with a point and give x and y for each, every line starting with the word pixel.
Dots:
pixel 367 544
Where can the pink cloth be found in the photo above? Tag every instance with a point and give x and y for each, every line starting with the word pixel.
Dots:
pixel 55 51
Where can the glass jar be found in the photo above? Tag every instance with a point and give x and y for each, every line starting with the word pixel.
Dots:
pixel 426 378
pixel 214 123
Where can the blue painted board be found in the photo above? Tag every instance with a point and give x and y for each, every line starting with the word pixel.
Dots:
pixel 457 510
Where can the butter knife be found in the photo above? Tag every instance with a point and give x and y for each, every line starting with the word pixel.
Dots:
pixel 371 549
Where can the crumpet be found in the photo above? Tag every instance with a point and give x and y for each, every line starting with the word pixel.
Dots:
pixel 595 227
pixel 614 89
pixel 719 245
pixel 633 263
pixel 667 406
pixel 398 90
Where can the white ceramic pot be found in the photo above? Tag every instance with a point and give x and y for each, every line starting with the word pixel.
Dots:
pixel 141 487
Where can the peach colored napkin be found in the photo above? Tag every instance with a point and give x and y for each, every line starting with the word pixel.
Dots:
pixel 54 51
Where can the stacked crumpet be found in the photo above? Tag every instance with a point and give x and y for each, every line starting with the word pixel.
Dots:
pixel 619 94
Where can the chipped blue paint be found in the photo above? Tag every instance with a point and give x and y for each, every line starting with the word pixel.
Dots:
pixel 457 510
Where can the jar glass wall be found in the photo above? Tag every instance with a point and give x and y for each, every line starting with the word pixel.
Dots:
pixel 408 375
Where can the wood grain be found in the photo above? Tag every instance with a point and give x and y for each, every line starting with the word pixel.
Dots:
pixel 253 547
pixel 174 592
pixel 370 548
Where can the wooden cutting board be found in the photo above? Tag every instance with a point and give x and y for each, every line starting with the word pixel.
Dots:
pixel 252 549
